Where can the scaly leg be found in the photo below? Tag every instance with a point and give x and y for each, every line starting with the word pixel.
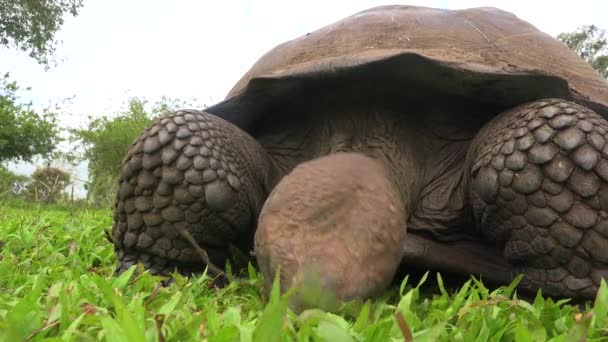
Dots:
pixel 191 175
pixel 539 189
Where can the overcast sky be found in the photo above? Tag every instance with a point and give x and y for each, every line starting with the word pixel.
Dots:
pixel 198 49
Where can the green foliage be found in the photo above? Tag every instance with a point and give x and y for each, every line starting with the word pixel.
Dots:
pixel 31 25
pixel 47 184
pixel 107 139
pixel 57 283
pixel 24 133
pixel 11 184
pixel 591 44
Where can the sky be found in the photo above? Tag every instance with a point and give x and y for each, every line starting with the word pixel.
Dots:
pixel 182 49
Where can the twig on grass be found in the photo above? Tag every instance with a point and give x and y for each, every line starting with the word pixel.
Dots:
pixel 202 253
pixel 404 327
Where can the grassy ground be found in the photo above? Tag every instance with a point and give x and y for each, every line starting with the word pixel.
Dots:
pixel 56 283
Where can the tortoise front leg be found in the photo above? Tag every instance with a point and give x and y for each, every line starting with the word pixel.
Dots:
pixel 336 224
pixel 539 189
pixel 190 182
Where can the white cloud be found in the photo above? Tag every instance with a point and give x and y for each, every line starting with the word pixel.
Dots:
pixel 185 49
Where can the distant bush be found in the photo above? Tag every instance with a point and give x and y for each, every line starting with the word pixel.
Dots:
pixel 48 185
pixel 11 184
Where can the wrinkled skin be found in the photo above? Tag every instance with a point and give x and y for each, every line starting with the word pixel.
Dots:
pixel 365 153
pixel 297 228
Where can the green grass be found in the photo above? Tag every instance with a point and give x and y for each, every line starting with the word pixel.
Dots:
pixel 56 284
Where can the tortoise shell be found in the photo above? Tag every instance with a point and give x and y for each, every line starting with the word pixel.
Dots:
pixel 484 54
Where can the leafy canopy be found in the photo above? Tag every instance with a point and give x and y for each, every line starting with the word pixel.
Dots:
pixel 31 25
pixel 591 44
pixel 24 133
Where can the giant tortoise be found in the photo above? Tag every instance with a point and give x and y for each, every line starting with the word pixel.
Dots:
pixel 462 141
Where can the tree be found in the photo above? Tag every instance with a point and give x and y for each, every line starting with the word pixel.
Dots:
pixel 591 44
pixel 24 133
pixel 47 184
pixel 107 139
pixel 30 25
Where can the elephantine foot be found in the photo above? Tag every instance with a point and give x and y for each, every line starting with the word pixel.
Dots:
pixel 539 188
pixel 191 182
pixel 334 228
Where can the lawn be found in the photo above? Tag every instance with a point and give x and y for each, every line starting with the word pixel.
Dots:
pixel 56 283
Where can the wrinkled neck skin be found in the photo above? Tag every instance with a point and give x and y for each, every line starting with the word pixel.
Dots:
pixel 371 135
pixel 423 149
